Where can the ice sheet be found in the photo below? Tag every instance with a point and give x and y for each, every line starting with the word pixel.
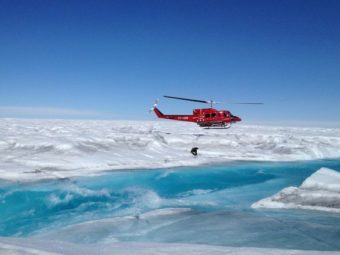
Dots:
pixel 30 246
pixel 320 191
pixel 40 149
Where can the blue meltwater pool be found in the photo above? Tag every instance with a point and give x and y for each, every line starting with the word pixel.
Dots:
pixel 206 205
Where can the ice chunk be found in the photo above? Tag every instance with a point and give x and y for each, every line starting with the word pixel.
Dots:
pixel 320 191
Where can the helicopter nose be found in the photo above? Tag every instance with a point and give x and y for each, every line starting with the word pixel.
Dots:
pixel 235 118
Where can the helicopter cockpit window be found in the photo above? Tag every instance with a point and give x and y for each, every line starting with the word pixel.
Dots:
pixel 213 115
pixel 207 115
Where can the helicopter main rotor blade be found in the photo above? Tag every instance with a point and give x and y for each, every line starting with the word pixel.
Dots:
pixel 246 103
pixel 188 99
pixel 218 102
pixel 211 102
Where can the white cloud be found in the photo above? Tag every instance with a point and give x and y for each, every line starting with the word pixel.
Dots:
pixel 49 112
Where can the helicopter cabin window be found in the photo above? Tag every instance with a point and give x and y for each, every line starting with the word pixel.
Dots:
pixel 207 115
pixel 213 115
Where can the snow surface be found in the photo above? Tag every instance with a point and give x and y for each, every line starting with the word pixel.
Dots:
pixel 41 149
pixel 32 150
pixel 30 246
pixel 320 191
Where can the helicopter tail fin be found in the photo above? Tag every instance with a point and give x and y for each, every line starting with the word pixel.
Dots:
pixel 155 109
pixel 158 112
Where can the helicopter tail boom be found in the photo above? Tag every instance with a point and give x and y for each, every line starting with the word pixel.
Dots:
pixel 159 114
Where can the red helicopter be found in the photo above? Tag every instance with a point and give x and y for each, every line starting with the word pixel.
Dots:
pixel 206 117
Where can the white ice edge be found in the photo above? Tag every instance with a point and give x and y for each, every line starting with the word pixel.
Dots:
pixel 320 191
pixel 31 246
pixel 44 149
pixel 100 229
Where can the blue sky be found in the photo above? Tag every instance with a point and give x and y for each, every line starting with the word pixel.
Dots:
pixel 112 59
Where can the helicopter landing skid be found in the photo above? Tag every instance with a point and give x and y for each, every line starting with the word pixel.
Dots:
pixel 219 127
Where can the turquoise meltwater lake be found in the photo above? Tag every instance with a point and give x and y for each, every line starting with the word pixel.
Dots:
pixel 205 205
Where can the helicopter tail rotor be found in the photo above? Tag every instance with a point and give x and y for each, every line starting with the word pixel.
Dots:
pixel 154 106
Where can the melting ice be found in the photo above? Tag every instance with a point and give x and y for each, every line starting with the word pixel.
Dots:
pixel 197 205
pixel 192 210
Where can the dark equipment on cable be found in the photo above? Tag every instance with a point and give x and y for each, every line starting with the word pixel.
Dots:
pixel 194 151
